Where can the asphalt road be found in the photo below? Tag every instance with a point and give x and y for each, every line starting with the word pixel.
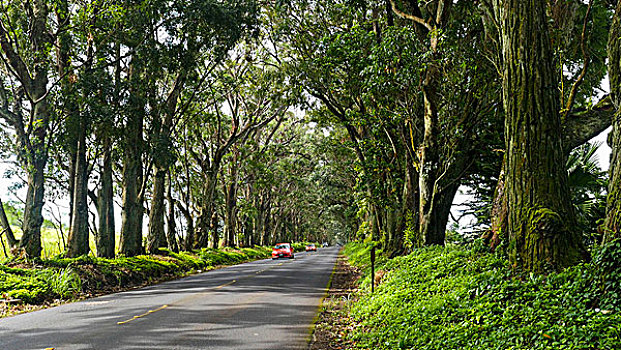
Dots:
pixel 266 304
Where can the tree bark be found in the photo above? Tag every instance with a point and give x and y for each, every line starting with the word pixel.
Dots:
pixel 540 218
pixel 230 217
pixel 189 235
pixel 78 234
pixel 171 233
pixel 157 238
pixel 205 231
pixel 133 210
pixel 6 227
pixel 214 227
pixel 105 239
pixel 612 225
pixel 429 160
pixel 163 160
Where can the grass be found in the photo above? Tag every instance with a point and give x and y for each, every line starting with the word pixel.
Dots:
pixel 51 242
pixel 467 298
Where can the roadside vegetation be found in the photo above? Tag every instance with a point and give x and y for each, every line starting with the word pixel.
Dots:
pixel 465 297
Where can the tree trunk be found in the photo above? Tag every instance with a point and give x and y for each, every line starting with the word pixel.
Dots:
pixel 540 219
pixel 33 211
pixel 6 227
pixel 613 210
pixel 215 235
pixel 189 220
pixel 163 161
pixel 157 237
pixel 73 120
pixel 106 234
pixel 171 234
pixel 133 210
pixel 265 220
pixel 34 146
pixel 499 213
pixel 230 218
pixel 410 223
pixel 207 209
pixel 429 158
pixel 78 233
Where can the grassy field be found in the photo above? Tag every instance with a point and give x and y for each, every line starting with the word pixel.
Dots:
pixel 52 241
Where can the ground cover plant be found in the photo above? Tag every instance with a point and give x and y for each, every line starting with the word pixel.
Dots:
pixel 464 297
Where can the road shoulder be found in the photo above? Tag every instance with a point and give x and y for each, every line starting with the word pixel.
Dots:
pixel 333 320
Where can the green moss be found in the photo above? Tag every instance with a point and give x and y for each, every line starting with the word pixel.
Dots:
pixel 544 242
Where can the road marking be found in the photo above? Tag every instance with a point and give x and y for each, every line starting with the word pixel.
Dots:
pixel 226 284
pixel 165 306
pixel 143 315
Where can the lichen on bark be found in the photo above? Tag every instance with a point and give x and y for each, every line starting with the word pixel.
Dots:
pixel 540 221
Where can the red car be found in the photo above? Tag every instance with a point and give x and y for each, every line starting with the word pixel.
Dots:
pixel 282 250
pixel 311 248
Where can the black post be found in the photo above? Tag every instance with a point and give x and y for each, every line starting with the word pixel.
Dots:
pixel 373 269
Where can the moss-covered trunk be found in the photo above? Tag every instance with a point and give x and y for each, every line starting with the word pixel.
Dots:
pixel 613 210
pixel 540 218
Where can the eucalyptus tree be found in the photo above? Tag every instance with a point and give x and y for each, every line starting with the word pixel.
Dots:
pixel 27 35
pixel 242 166
pixel 200 31
pixel 89 104
pixel 237 101
pixel 160 45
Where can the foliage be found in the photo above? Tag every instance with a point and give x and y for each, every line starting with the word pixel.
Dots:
pixel 588 183
pixel 64 282
pixel 465 298
pixel 33 286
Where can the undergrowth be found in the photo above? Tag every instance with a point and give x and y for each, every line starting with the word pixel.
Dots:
pixel 467 298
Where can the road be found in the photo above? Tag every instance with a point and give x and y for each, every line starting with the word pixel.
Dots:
pixel 266 304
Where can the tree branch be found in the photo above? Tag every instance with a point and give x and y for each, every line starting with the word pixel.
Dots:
pixel 583 125
pixel 409 16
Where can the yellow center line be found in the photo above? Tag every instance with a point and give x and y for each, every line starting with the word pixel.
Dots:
pixel 145 314
pixel 226 284
pixel 165 306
